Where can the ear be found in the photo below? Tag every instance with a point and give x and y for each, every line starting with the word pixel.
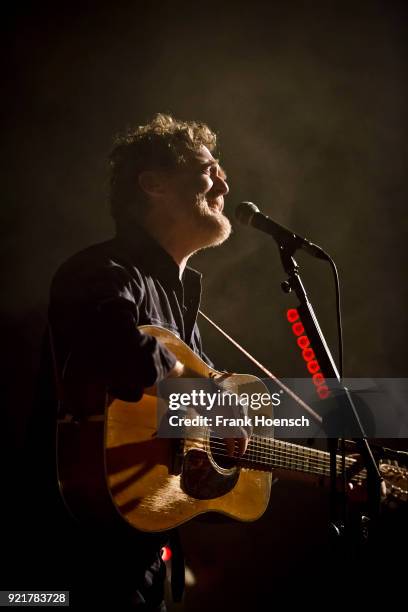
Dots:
pixel 151 182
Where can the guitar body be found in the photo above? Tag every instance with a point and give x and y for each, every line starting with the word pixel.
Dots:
pixel 112 466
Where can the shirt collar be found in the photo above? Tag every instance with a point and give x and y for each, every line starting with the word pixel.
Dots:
pixel 144 249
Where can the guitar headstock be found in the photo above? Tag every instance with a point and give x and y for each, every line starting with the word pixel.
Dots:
pixel 396 480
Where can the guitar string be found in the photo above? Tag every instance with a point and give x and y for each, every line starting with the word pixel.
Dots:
pixel 303 454
pixel 269 447
pixel 283 460
pixel 259 443
pixel 356 478
pixel 269 466
pixel 279 461
pixel 264 446
pixel 313 468
pixel 267 451
pixel 292 450
pixel 321 463
pixel 297 461
pixel 273 457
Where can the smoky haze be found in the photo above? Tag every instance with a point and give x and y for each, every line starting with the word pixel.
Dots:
pixel 309 102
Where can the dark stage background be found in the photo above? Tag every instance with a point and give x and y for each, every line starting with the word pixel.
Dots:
pixel 309 100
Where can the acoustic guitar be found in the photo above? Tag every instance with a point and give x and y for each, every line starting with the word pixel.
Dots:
pixel 112 465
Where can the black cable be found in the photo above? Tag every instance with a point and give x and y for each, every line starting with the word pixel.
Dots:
pixel 338 313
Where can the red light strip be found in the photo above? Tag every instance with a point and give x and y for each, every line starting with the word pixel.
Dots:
pixel 308 353
pixel 166 553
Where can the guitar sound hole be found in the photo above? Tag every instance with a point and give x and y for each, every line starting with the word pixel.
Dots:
pixel 219 453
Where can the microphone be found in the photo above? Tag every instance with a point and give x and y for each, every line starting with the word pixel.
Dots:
pixel 248 213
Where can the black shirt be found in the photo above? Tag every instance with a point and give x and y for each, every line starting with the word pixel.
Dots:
pixel 100 296
pixel 98 299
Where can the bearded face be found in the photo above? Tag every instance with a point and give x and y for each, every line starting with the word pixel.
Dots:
pixel 194 199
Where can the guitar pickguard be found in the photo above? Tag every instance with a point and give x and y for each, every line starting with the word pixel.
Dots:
pixel 201 480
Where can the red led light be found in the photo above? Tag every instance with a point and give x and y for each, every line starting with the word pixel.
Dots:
pixel 303 342
pixel 298 328
pixel 313 366
pixel 166 553
pixel 323 391
pixel 292 315
pixel 308 354
pixel 318 379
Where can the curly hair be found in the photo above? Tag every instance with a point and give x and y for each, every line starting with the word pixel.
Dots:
pixel 159 145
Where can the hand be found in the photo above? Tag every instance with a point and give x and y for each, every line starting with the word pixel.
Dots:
pixel 182 371
pixel 237 441
pixel 241 443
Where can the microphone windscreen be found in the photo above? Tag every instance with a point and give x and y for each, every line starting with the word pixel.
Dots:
pixel 245 211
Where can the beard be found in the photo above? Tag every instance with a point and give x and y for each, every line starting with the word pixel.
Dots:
pixel 210 224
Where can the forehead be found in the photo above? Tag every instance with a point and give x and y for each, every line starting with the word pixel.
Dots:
pixel 203 156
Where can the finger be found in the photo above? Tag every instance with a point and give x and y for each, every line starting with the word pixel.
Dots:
pixel 242 445
pixel 230 444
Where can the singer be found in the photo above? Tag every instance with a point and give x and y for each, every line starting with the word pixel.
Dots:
pixel 167 200
pixel 167 193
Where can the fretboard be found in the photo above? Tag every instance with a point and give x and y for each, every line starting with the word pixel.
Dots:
pixel 268 453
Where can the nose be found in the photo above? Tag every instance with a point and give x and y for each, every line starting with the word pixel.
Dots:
pixel 220 186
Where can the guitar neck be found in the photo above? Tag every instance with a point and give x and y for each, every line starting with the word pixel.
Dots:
pixel 267 453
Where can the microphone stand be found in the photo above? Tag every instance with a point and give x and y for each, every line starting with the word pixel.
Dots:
pixel 344 410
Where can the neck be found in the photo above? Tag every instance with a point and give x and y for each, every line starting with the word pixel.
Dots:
pixel 268 453
pixel 175 241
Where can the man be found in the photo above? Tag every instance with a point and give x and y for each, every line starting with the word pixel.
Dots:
pixel 167 200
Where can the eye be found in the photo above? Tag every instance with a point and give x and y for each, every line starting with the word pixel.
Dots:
pixel 209 170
